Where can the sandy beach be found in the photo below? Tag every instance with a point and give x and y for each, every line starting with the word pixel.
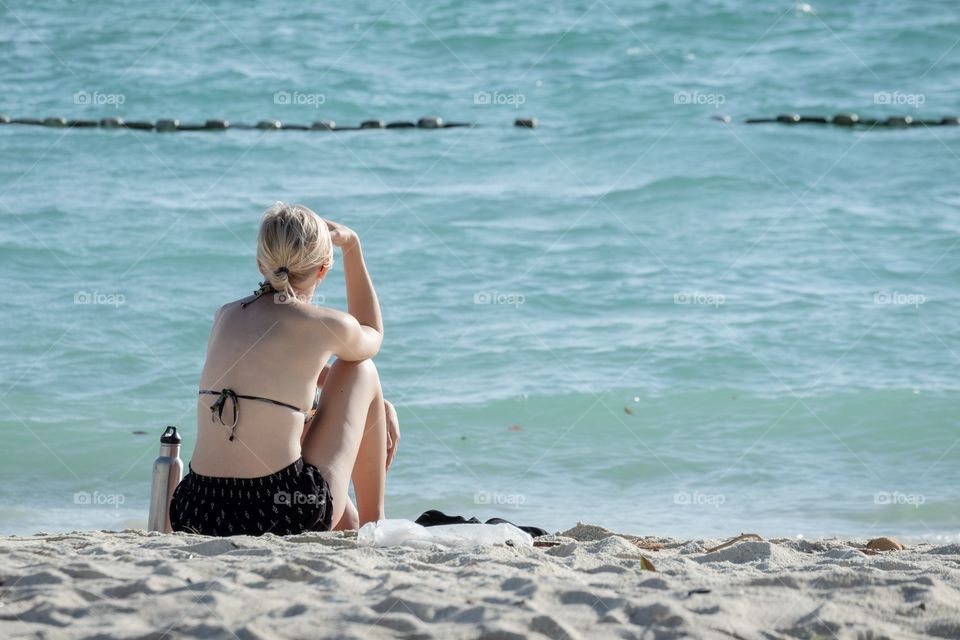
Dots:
pixel 592 584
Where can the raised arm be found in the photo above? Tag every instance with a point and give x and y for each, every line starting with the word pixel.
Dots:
pixel 359 333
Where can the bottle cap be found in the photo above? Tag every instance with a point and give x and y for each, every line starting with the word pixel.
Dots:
pixel 170 436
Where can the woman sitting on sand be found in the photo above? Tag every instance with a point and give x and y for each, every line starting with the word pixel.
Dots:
pixel 261 463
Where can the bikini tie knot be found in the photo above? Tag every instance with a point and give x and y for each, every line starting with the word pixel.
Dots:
pixel 265 287
pixel 216 410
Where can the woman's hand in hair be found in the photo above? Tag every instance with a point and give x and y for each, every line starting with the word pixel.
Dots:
pixel 343 237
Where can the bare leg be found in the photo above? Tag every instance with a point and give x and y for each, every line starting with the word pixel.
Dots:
pixel 348 438
pixel 350 518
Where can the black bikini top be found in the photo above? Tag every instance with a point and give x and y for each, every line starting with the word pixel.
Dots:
pixel 216 409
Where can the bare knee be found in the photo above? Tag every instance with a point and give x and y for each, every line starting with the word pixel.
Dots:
pixel 360 371
pixel 350 518
pixel 366 368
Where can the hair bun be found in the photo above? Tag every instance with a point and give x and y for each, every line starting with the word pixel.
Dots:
pixel 293 244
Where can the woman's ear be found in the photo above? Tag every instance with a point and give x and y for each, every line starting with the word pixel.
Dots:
pixel 322 272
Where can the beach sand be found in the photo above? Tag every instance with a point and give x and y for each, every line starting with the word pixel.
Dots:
pixel 593 584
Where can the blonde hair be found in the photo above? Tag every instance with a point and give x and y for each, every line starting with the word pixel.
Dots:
pixel 292 244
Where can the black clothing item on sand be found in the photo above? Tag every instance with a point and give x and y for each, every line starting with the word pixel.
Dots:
pixel 433 518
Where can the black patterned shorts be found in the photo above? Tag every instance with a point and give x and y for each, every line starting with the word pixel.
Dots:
pixel 290 501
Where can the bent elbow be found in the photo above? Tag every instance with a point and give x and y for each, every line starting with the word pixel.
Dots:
pixel 367 347
pixel 375 341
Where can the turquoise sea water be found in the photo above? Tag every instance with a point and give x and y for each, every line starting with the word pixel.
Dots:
pixel 633 315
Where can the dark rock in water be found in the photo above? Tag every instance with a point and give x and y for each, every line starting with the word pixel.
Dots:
pixel 54 122
pixel 145 126
pixel 111 123
pixel 217 125
pixel 168 125
pixel 870 122
pixel 296 127
pixel 324 125
pixel 26 121
pixel 527 123
pixel 926 123
pixel 139 432
pixel 372 124
pixel 269 125
pixel 4 119
pixel 347 129
pixel 759 120
pixel 950 121
pixel 192 127
pixel 814 119
pixel 846 119
pixel 899 121
pixel 243 125
pixel 454 125
pixel 430 123
pixel 788 118
pixel 401 125
pixel 82 123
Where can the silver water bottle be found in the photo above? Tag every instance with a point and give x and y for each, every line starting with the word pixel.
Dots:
pixel 167 471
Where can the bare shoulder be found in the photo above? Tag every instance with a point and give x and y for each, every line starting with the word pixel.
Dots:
pixel 229 310
pixel 345 337
pixel 307 316
pixel 228 307
pixel 324 316
pixel 221 311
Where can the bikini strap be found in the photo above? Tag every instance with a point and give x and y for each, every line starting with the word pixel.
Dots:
pixel 216 409
pixel 265 287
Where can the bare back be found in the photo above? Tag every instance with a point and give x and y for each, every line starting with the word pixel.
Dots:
pixel 265 349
